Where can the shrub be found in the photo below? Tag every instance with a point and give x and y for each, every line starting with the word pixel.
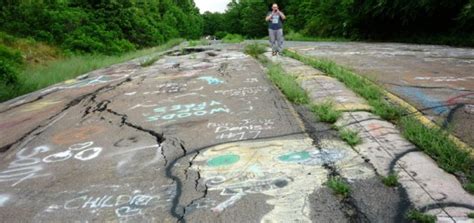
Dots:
pixel 233 38
pixel 221 34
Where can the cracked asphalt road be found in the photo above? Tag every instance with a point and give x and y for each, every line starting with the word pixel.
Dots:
pixel 199 136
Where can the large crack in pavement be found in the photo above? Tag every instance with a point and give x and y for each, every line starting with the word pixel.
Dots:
pixel 36 131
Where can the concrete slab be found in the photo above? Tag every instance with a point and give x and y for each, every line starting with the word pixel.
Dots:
pixel 426 184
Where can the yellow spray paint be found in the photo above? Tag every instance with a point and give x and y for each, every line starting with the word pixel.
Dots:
pixel 287 170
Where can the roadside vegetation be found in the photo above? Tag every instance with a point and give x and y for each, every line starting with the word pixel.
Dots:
pixel 391 180
pixel 420 217
pixel 201 42
pixel 233 38
pixel 434 141
pixel 435 22
pixel 26 78
pixel 351 137
pixel 338 186
pixel 255 49
pixel 45 42
pixel 287 84
pixel 326 112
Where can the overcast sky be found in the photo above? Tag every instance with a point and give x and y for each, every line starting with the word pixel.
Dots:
pixel 212 5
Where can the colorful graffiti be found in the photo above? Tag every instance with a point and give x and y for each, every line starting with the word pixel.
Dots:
pixel 277 168
pixel 211 80
pixel 39 105
pixel 74 135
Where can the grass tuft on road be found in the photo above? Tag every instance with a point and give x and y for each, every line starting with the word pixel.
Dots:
pixel 338 186
pixel 287 84
pixel 326 112
pixel 351 137
pixel 433 141
pixel 420 217
pixel 255 49
pixel 391 180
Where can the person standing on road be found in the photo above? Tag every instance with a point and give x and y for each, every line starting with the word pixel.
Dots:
pixel 275 29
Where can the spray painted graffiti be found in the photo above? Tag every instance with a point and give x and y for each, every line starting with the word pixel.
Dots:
pixel 424 99
pixel 122 202
pixel 441 79
pixel 4 198
pixel 277 168
pixel 28 165
pixel 251 80
pixel 92 81
pixel 187 110
pixel 74 135
pixel 211 80
pixel 126 205
pixel 25 166
pixel 243 91
pixel 81 151
pixel 244 129
pixel 39 105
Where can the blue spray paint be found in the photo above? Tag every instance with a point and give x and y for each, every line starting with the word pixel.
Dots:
pixel 424 99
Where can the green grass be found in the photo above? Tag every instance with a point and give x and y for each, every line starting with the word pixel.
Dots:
pixel 351 137
pixel 360 85
pixel 326 112
pixel 233 38
pixel 287 84
pixel 391 180
pixel 200 42
pixel 420 217
pixel 470 215
pixel 437 144
pixel 338 186
pixel 37 77
pixel 433 141
pixel 255 49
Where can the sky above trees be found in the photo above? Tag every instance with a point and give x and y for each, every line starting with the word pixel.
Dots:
pixel 211 5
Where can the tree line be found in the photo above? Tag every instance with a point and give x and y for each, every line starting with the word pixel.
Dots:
pixel 101 26
pixel 352 19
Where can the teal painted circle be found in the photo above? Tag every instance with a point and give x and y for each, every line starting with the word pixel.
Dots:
pixel 295 156
pixel 224 160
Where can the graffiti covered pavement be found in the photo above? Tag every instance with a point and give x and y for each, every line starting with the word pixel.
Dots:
pixel 202 135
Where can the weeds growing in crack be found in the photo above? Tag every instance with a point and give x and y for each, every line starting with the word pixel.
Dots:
pixel 287 84
pixel 420 217
pixel 434 141
pixel 351 137
pixel 255 49
pixel 390 180
pixel 338 186
pixel 326 112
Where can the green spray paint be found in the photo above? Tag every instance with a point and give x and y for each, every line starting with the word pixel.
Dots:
pixel 294 156
pixel 224 160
